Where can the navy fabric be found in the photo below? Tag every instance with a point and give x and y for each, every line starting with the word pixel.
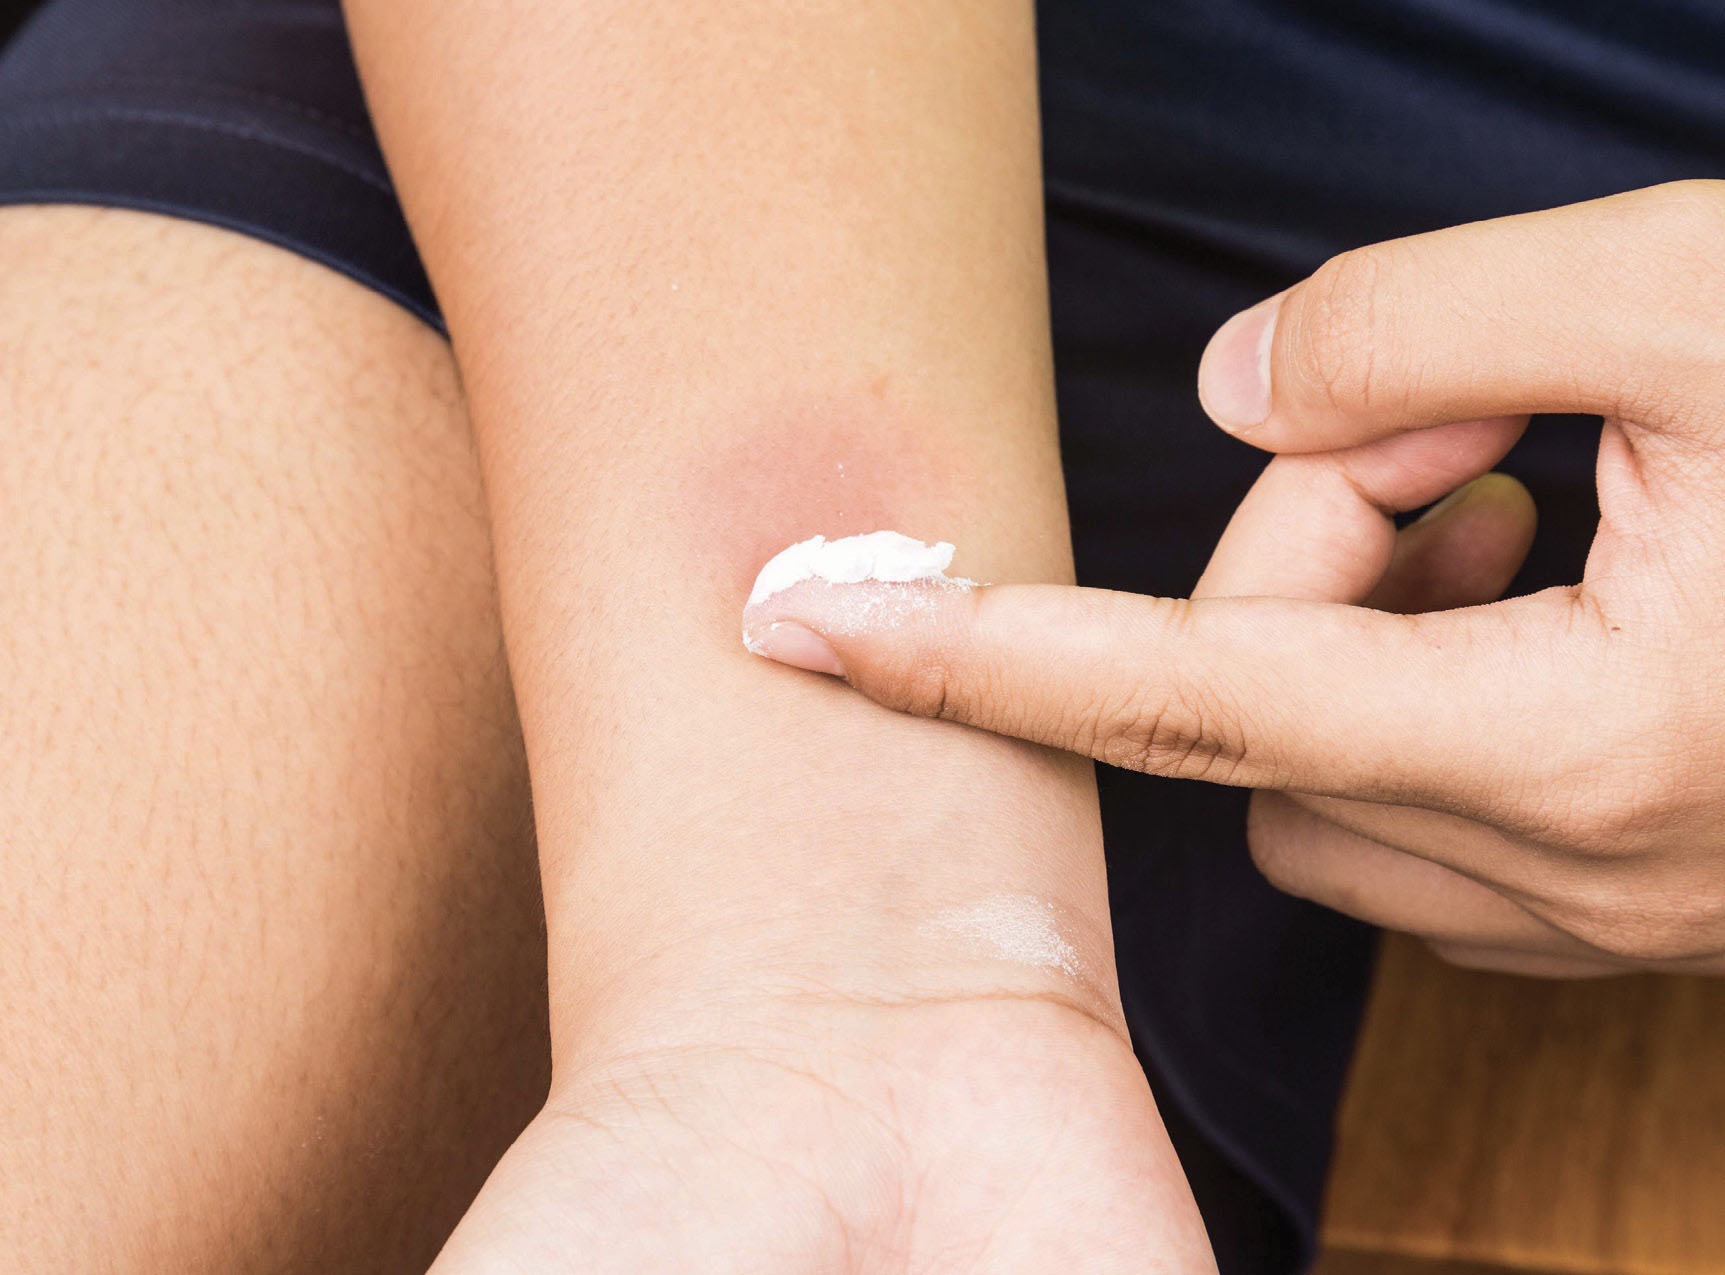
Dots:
pixel 244 113
pixel 1200 154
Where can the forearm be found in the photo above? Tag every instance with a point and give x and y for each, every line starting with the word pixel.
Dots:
pixel 721 277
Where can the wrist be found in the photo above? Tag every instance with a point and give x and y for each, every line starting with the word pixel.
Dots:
pixel 734 984
pixel 969 868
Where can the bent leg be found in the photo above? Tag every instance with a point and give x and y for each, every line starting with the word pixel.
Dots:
pixel 271 955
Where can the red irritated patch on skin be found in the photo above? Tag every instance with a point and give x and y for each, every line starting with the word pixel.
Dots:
pixel 826 467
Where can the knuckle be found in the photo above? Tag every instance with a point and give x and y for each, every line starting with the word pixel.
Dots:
pixel 1285 875
pixel 1182 727
pixel 1272 845
pixel 1178 732
pixel 1609 809
pixel 1132 734
pixel 1332 333
pixel 1304 855
pixel 1662 249
pixel 1619 783
pixel 1306 867
pixel 1630 921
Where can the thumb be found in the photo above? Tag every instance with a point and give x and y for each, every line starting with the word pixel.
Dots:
pixel 1320 697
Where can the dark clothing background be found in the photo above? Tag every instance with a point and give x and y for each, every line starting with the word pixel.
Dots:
pixel 1200 154
pixel 12 15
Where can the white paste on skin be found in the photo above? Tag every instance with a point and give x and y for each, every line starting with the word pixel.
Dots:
pixel 880 555
pixel 1015 927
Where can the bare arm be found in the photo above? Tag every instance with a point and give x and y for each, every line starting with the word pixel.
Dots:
pixel 722 276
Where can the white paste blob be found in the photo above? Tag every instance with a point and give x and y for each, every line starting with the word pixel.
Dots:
pixel 886 556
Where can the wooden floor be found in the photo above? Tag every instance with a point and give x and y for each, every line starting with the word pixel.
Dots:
pixel 1337 1261
pixel 1495 1125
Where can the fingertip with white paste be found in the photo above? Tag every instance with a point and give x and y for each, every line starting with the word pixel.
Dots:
pixel 820 588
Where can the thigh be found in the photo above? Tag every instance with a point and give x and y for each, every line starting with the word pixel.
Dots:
pixel 271 956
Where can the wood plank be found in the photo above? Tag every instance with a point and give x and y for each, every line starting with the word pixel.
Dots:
pixel 1355 1262
pixel 1576 1127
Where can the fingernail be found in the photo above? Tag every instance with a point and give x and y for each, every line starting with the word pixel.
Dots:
pixel 790 643
pixel 1234 374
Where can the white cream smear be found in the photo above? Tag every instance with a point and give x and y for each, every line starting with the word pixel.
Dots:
pixel 880 555
pixel 884 556
pixel 1015 927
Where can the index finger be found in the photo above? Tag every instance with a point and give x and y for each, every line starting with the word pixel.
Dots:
pixel 1441 710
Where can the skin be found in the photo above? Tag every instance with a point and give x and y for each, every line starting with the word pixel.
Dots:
pixel 271 956
pixel 675 320
pixel 1530 784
